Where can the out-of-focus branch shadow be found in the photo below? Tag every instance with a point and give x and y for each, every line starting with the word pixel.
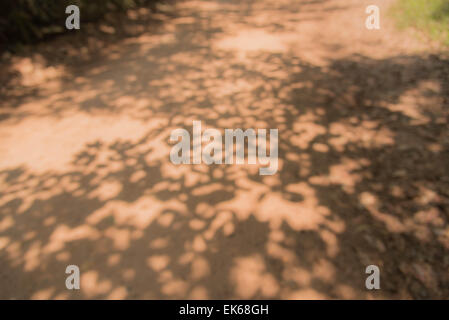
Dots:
pixel 363 175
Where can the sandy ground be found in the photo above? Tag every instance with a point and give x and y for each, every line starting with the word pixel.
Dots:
pixel 362 116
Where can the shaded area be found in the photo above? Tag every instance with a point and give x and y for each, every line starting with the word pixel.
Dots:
pixel 25 22
pixel 363 151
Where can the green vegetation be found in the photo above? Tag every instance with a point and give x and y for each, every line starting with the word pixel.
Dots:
pixel 25 21
pixel 429 16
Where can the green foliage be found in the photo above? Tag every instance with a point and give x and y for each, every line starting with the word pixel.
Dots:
pixel 24 21
pixel 430 16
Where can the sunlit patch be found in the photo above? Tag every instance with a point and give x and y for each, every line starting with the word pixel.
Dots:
pixel 305 294
pixel 365 134
pixel 249 277
pixel 304 215
pixel 174 288
pixel 43 294
pixel 119 293
pixel 199 293
pixel 371 203
pixel 157 263
pixel 107 190
pixel 139 214
pixel 343 173
pixel 120 237
pixel 420 102
pixel 64 234
pixel 199 268
pixel 93 284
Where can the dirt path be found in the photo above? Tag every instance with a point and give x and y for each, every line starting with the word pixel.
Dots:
pixel 362 115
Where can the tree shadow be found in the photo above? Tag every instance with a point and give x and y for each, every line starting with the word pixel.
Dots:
pixel 363 176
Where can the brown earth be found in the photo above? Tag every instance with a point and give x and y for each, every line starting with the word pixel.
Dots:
pixel 362 115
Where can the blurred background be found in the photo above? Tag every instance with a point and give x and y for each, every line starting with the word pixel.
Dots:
pixel 86 178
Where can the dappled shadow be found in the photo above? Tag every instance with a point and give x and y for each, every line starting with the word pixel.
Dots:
pixel 363 164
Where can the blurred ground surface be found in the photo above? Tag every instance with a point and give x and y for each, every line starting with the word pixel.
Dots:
pixel 362 115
